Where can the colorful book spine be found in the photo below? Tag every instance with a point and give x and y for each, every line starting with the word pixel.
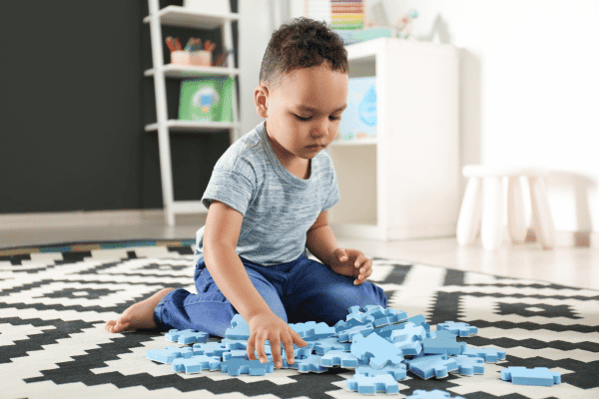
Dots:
pixel 347 14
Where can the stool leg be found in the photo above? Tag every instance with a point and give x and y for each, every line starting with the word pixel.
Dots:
pixel 492 216
pixel 541 214
pixel 470 212
pixel 515 210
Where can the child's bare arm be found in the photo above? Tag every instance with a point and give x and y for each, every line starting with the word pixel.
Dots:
pixel 220 239
pixel 322 243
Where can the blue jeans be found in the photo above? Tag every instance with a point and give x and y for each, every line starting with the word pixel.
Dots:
pixel 298 291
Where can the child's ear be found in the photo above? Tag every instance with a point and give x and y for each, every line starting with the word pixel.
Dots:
pixel 261 100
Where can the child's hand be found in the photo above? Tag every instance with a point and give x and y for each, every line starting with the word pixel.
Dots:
pixel 351 262
pixel 267 326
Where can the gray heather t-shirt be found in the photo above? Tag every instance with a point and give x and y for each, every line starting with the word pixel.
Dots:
pixel 278 208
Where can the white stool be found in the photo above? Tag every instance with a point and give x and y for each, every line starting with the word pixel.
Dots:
pixel 483 205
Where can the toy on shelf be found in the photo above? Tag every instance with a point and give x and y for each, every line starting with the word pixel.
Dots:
pixel 193 53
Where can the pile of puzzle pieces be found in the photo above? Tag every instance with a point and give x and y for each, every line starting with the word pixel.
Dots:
pixel 382 345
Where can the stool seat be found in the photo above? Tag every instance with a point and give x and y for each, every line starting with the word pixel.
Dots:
pixel 483 206
pixel 500 171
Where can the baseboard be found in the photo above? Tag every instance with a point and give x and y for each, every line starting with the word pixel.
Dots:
pixel 576 239
pixel 76 219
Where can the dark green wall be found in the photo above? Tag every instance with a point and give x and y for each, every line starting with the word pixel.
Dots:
pixel 74 105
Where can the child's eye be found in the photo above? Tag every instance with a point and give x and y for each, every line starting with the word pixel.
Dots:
pixel 303 119
pixel 335 118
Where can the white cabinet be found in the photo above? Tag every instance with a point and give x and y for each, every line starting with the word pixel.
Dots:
pixel 187 18
pixel 405 182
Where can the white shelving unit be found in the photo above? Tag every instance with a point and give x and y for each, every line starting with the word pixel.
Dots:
pixel 187 18
pixel 405 182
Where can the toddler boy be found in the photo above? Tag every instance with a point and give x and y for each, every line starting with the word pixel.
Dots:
pixel 267 200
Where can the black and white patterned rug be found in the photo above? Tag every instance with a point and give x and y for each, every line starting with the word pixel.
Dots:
pixel 54 303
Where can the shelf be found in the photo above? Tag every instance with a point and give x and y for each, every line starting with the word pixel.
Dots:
pixel 186 18
pixel 356 142
pixel 191 126
pixel 187 71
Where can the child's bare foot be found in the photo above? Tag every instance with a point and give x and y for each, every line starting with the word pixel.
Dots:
pixel 138 315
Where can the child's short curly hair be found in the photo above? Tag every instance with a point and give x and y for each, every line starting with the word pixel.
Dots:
pixel 302 43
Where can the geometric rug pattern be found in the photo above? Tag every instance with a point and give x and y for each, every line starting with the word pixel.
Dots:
pixel 54 303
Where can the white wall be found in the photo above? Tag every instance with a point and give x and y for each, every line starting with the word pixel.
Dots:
pixel 529 90
pixel 529 86
pixel 259 18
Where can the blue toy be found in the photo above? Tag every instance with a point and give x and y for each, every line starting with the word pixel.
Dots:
pixel 324 345
pixel 210 349
pixel 310 364
pixel 434 394
pixel 235 354
pixel 185 337
pixel 371 385
pixel 348 335
pixel 540 376
pixel 468 365
pixel 461 329
pixel 341 325
pixel 490 355
pixel 196 364
pixel 239 329
pixel 339 358
pixel 233 344
pixel 167 355
pixel 312 330
pixel 444 343
pixel 376 348
pixel 419 320
pixel 243 366
pixel 437 366
pixel 397 371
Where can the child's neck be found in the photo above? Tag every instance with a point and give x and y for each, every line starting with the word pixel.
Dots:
pixel 295 165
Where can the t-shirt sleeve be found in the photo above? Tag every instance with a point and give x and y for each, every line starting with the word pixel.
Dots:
pixel 231 185
pixel 333 194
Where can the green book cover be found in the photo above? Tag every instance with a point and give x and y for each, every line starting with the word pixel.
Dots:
pixel 207 99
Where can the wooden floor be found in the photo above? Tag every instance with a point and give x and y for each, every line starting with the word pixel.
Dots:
pixel 570 266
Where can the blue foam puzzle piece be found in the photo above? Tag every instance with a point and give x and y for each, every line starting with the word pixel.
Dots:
pixel 397 371
pixel 312 330
pixel 348 335
pixel 196 364
pixel 489 355
pixel 444 343
pixel 341 325
pixel 239 329
pixel 185 337
pixel 458 328
pixel 376 348
pixel 322 346
pixel 234 344
pixel 468 365
pixel 419 320
pixel 318 331
pixel 235 354
pixel 339 358
pixel 244 366
pixel 167 355
pixel 210 349
pixel 437 366
pixel 310 364
pixel 539 376
pixel 371 385
pixel 434 394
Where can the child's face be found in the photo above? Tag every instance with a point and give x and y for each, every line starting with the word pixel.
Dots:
pixel 303 110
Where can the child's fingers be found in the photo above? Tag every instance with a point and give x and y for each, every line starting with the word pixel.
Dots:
pixel 260 341
pixel 251 347
pixel 275 347
pixel 288 345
